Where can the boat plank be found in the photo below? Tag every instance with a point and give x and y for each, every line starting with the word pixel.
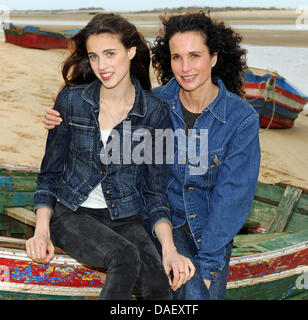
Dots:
pixel 297 222
pixel 287 203
pixel 283 288
pixel 14 243
pixel 17 183
pixel 302 205
pixel 269 193
pixel 286 241
pixel 23 215
pixel 15 199
pixel 264 213
pixel 248 240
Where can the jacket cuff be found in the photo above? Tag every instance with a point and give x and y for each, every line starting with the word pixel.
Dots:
pixel 45 199
pixel 209 272
pixel 158 215
pixel 161 219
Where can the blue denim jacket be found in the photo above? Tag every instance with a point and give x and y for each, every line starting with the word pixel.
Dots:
pixel 217 203
pixel 72 165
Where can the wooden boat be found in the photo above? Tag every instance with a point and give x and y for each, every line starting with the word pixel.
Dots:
pixel 269 257
pixel 34 37
pixel 275 99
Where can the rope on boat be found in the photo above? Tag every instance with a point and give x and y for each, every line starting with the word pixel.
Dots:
pixel 270 87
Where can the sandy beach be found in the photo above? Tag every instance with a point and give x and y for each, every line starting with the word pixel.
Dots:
pixel 31 77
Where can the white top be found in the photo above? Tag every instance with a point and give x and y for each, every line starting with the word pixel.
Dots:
pixel 96 199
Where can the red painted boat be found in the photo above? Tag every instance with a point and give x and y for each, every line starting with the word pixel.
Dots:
pixel 276 100
pixel 34 37
pixel 64 278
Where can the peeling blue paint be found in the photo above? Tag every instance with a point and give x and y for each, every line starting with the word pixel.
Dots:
pixel 6 184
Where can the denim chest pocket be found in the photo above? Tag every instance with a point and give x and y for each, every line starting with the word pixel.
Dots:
pixel 215 160
pixel 82 137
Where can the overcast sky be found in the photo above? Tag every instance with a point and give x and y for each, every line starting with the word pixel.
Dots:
pixel 135 5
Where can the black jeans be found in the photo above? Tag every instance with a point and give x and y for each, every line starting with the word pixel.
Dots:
pixel 121 246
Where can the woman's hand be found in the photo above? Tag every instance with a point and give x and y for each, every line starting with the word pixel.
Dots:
pixel 40 248
pixel 181 267
pixel 52 118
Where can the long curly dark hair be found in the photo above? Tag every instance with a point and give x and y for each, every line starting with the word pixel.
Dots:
pixel 77 69
pixel 231 62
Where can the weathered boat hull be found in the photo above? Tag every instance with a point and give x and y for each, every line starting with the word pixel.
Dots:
pixel 277 101
pixel 267 265
pixel 36 39
pixel 64 278
pixel 273 275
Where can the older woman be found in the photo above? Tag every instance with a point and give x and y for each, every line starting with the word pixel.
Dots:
pixel 201 66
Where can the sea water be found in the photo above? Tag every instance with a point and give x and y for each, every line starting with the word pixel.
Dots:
pixel 290 62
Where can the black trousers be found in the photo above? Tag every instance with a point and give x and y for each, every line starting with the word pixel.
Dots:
pixel 122 246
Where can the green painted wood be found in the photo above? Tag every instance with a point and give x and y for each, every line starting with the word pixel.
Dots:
pixel 19 173
pixel 264 213
pixel 297 222
pixel 237 252
pixel 269 193
pixel 275 290
pixel 302 204
pixel 4 223
pixel 249 240
pixel 287 203
pixel 286 241
pixel 15 199
pixel 301 296
pixel 18 184
pixel 22 230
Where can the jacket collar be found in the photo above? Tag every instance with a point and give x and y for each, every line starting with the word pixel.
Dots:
pixel 91 94
pixel 170 93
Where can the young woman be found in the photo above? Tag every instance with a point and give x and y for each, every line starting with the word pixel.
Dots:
pixel 201 67
pixel 92 208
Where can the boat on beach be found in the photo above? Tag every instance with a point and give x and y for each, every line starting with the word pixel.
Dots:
pixel 35 37
pixel 269 257
pixel 277 101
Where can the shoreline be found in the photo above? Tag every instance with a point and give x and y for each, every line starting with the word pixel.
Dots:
pixel 294 38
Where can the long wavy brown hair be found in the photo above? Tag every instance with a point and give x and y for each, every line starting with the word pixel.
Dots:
pixel 231 62
pixel 77 69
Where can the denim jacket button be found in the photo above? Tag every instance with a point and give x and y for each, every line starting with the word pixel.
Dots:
pixel 116 214
pixel 188 187
pixel 108 192
pixel 113 205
